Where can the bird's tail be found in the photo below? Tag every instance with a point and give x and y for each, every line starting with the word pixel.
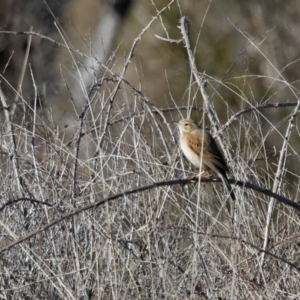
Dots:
pixel 223 178
pixel 228 186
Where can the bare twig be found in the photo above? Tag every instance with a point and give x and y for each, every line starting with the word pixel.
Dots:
pixel 236 238
pixel 278 178
pixel 121 76
pixel 242 184
pixel 12 145
pixel 19 86
pixel 254 108
pixel 44 37
pixel 10 202
pixel 167 39
pixel 186 108
pixel 201 84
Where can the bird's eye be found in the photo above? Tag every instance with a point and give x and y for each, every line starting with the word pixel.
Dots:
pixel 186 124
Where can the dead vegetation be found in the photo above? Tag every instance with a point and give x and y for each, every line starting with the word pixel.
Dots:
pixel 100 208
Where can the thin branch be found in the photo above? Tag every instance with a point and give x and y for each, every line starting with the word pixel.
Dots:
pixel 236 238
pixel 66 216
pixel 10 202
pixel 167 39
pixel 21 79
pixel 278 177
pixel 11 145
pixel 254 108
pixel 32 33
pixel 121 76
pixel 213 118
pixel 186 108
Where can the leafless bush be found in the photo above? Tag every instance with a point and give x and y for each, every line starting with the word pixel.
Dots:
pixel 95 216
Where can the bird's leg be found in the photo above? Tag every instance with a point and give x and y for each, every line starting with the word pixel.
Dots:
pixel 203 173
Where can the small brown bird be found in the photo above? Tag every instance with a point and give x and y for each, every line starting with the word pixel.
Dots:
pixel 202 151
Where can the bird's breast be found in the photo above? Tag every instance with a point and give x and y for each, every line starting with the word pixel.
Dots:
pixel 189 153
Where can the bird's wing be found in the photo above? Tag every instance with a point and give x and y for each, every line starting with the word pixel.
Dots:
pixel 203 144
pixel 218 158
pixel 212 157
pixel 194 142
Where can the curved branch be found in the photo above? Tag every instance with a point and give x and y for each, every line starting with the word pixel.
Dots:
pixel 254 108
pixel 242 184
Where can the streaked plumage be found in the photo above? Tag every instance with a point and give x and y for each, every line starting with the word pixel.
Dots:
pixel 202 151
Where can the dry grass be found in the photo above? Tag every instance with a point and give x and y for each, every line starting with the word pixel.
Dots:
pixel 170 242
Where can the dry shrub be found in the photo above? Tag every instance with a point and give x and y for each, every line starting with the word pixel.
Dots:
pixel 168 242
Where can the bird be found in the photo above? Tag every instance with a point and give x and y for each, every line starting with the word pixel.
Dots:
pixel 202 151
